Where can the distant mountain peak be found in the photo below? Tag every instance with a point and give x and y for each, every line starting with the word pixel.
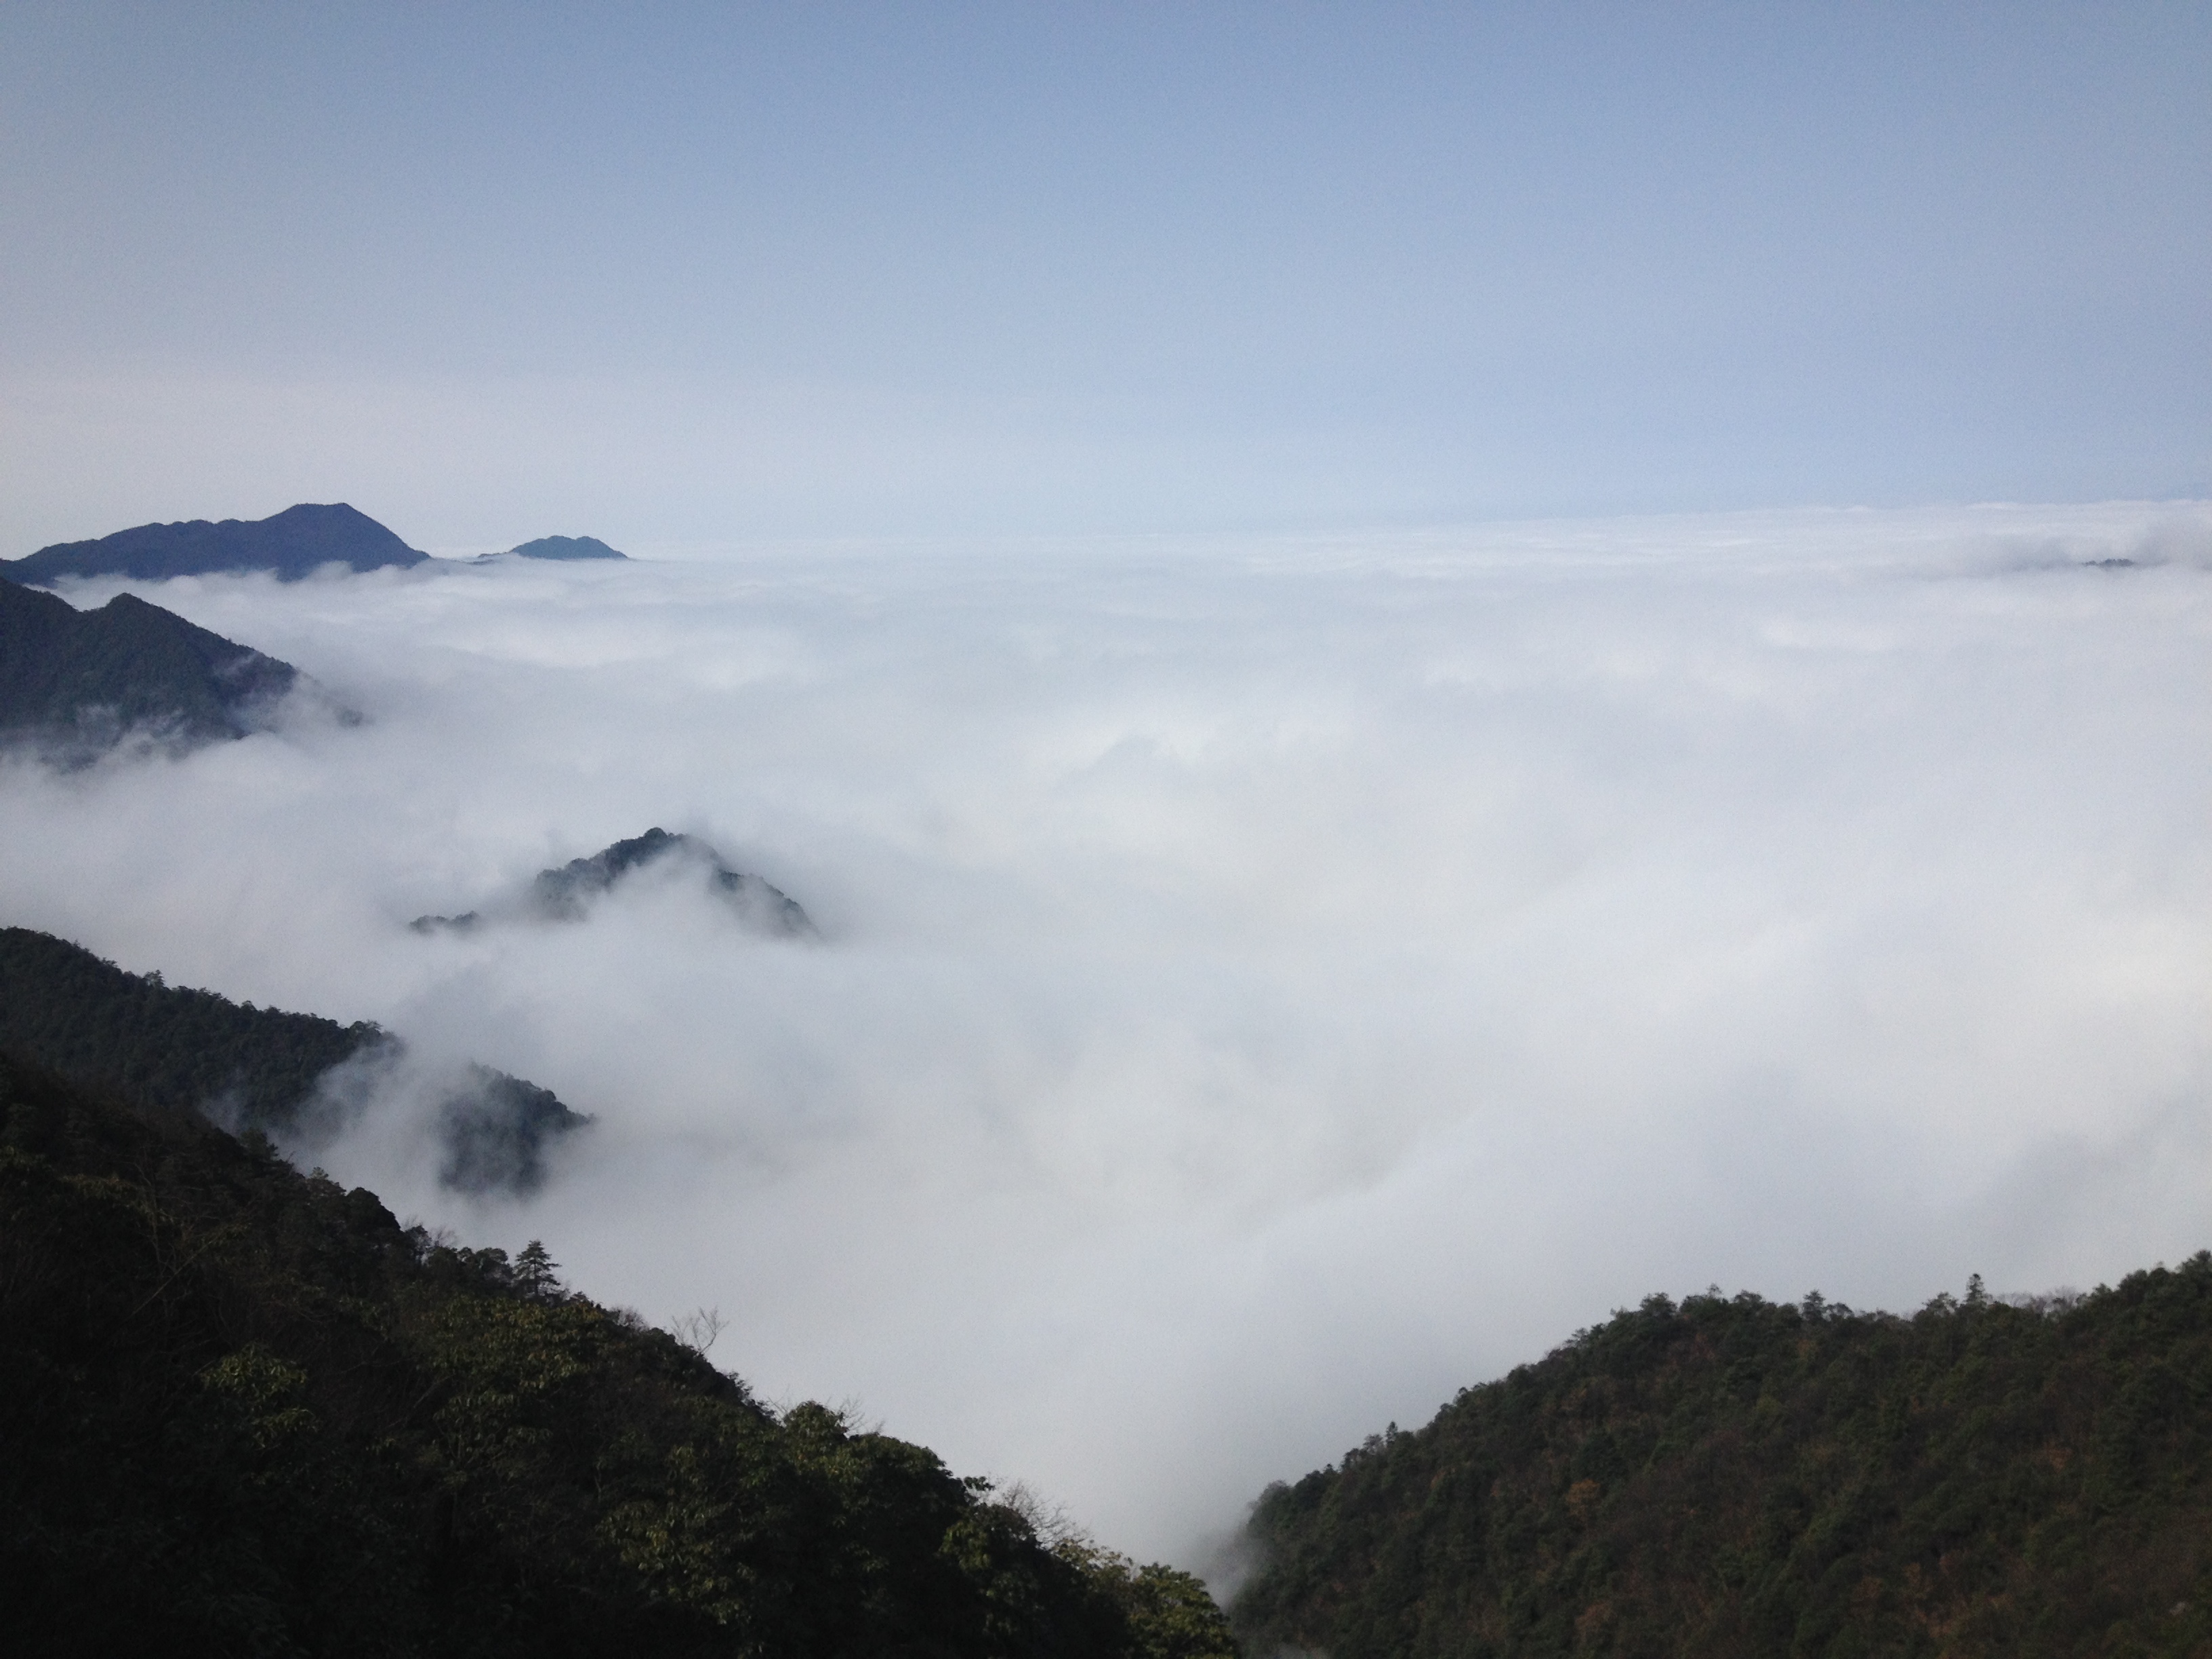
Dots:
pixel 565 547
pixel 566 894
pixel 293 544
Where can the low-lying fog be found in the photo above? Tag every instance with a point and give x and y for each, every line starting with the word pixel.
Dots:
pixel 1264 986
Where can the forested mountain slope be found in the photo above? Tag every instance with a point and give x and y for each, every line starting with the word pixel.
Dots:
pixel 1730 1476
pixel 254 1068
pixel 247 1412
pixel 74 682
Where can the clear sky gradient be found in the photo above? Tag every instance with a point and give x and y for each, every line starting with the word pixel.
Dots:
pixel 697 274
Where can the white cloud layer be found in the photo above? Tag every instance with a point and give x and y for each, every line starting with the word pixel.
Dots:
pixel 1264 986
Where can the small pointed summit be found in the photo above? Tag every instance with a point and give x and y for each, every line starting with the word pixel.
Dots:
pixel 567 894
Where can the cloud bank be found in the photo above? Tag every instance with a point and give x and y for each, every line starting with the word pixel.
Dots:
pixel 1263 985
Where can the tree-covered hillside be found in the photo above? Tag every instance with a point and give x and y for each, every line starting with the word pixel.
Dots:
pixel 170 1046
pixel 74 682
pixel 254 1068
pixel 1728 1476
pixel 246 1413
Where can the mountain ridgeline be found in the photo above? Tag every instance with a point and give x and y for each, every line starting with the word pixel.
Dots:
pixel 565 547
pixel 1728 1476
pixel 289 545
pixel 296 543
pixel 73 683
pixel 248 1413
pixel 566 894
pixel 184 1051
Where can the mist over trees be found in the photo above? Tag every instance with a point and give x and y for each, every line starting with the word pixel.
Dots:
pixel 1372 678
pixel 73 683
pixel 566 893
pixel 248 1412
pixel 255 1069
pixel 1259 946
pixel 1211 969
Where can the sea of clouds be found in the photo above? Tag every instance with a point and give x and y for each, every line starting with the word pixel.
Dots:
pixel 1264 986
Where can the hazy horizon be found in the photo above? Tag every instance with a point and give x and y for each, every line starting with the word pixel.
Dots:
pixel 1366 630
pixel 709 273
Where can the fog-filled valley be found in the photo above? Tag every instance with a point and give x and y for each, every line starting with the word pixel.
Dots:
pixel 1258 986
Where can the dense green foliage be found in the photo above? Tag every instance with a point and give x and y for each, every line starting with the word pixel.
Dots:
pixel 246 1413
pixel 75 681
pixel 173 1048
pixel 1729 1476
pixel 292 543
pixel 252 1068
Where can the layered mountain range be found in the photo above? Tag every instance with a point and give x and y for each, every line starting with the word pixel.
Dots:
pixel 290 545
pixel 244 1402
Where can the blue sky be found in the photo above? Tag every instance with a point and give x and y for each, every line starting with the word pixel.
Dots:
pixel 692 274
pixel 1198 1071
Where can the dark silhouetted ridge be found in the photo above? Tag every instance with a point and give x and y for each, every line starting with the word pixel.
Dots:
pixel 76 681
pixel 292 543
